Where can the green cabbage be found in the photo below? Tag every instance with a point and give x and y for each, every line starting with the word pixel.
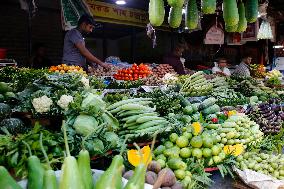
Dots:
pixel 112 139
pixel 85 124
pixel 93 101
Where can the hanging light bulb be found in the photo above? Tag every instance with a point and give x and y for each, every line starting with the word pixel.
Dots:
pixel 120 2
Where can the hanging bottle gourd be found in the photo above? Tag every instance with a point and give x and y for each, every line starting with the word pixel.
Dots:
pixel 175 17
pixel 191 15
pixel 208 6
pixel 156 12
pixel 251 10
pixel 230 13
pixel 242 26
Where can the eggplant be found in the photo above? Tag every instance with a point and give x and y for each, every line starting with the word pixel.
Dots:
pixel 270 116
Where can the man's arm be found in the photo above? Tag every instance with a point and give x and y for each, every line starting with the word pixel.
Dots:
pixel 86 53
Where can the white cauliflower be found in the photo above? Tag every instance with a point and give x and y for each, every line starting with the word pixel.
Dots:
pixel 42 104
pixel 64 101
pixel 85 82
pixel 170 78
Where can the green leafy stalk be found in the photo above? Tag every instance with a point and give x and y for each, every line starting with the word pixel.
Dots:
pixel 29 148
pixel 44 152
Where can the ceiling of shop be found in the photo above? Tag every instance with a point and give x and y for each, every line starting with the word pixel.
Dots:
pixel 114 31
pixel 143 4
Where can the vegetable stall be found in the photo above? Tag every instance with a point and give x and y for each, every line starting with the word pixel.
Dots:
pixel 196 123
pixel 143 125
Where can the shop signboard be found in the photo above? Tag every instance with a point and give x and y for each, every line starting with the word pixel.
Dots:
pixel 106 12
pixel 251 33
pixel 214 36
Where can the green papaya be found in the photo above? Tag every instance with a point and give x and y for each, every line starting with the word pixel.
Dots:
pixel 175 17
pixel 251 10
pixel 230 12
pixel 191 15
pixel 242 26
pixel 156 12
pixel 208 6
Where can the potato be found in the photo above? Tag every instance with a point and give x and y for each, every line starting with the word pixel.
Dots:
pixel 177 185
pixel 154 166
pixel 151 177
pixel 168 175
pixel 127 175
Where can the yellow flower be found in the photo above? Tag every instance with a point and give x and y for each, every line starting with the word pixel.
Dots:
pixel 235 150
pixel 134 158
pixel 233 112
pixel 197 128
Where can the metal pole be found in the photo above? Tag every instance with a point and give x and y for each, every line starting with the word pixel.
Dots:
pixel 133 44
pixel 30 28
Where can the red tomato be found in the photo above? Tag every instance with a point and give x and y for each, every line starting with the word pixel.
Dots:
pixel 118 78
pixel 214 120
pixel 126 78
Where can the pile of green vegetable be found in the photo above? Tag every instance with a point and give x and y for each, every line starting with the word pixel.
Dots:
pixel 178 151
pixel 268 164
pixel 239 129
pixel 137 118
pixel 196 85
pixel 226 96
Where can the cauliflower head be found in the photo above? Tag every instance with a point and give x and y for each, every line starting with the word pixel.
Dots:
pixel 42 104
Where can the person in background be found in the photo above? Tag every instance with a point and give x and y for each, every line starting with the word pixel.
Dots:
pixel 175 58
pixel 74 50
pixel 242 70
pixel 221 68
pixel 39 59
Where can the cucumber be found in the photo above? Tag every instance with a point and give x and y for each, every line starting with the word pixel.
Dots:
pixel 156 12
pixel 175 17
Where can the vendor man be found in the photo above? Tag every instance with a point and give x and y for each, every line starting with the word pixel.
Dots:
pixel 242 70
pixel 175 58
pixel 74 50
pixel 221 68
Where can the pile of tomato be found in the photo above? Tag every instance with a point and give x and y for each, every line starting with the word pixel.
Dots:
pixel 133 73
